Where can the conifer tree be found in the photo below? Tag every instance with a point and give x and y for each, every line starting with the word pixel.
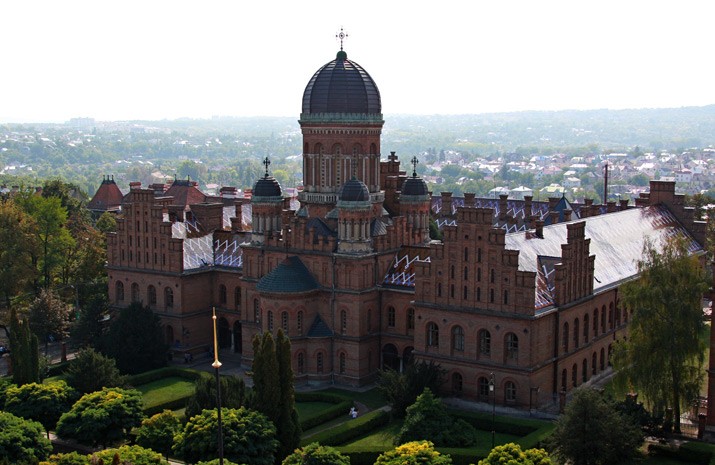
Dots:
pixel 265 376
pixel 288 426
pixel 24 352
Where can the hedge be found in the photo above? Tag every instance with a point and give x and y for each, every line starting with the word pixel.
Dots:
pixel 341 408
pixel 160 373
pixel 317 396
pixel 693 452
pixel 349 430
pixel 57 368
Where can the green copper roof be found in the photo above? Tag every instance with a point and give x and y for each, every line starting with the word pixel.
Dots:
pixel 291 275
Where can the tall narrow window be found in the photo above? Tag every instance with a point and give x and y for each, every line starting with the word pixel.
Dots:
pixel 565 337
pixel 299 322
pixel 584 371
pixel 506 297
pixel 151 295
pixel 458 339
pixel 391 317
pixel 485 342
pixel 119 291
pixel 319 362
pixel 466 254
pixel 270 320
pixel 256 311
pixel 457 383
pixel 510 392
pixel 168 297
pixel 343 322
pixel 483 387
pixel 466 273
pixel 342 363
pixel 237 297
pixel 432 335
pixel 222 295
pixel 284 322
pixel 511 346
pixel 576 333
pixel 301 363
pixel 585 328
pixel 410 319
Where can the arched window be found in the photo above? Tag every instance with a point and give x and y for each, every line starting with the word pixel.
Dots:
pixel 136 296
pixel 299 322
pixel 510 392
pixel 466 255
pixel 595 323
pixel 576 333
pixel 574 375
pixel 457 383
pixel 603 359
pixel 465 293
pixel 119 291
pixel 391 317
pixel 565 338
pixel 319 362
pixel 301 363
pixel 256 311
pixel 484 339
pixel 585 328
pixel 506 297
pixel 458 339
pixel 584 370
pixel 222 295
pixel 168 297
pixel 284 322
pixel 483 387
pixel 342 363
pixel 151 295
pixel 410 319
pixel 439 289
pixel 270 320
pixel 511 346
pixel 610 315
pixel 432 334
pixel 594 364
pixel 466 273
pixel 603 319
pixel 343 322
pixel 563 379
pixel 237 298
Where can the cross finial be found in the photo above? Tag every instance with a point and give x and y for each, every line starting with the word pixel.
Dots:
pixel 266 162
pixel 342 36
pixel 414 162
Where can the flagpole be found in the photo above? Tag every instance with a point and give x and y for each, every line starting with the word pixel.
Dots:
pixel 216 364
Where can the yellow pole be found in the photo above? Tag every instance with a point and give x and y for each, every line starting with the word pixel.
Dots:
pixel 216 363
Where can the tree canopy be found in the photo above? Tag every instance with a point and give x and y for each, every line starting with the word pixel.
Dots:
pixel 22 441
pixel 315 454
pixel 91 371
pixel 44 403
pixel 103 417
pixel 400 390
pixel 48 316
pixel 592 432
pixel 511 454
pixel 157 433
pixel 414 453
pixel 233 394
pixel 248 437
pixel 663 356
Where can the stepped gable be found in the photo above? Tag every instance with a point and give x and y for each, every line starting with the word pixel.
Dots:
pixel 107 198
pixel 291 276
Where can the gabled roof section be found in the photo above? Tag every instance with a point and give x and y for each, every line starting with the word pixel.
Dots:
pixel 402 270
pixel 319 328
pixel 290 276
pixel 185 193
pixel 616 240
pixel 108 197
pixel 322 230
pixel 562 205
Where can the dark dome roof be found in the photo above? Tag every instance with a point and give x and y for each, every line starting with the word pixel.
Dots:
pixel 341 86
pixel 267 187
pixel 414 186
pixel 354 191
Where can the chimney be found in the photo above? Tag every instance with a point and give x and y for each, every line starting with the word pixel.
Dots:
pixel 446 204
pixel 610 206
pixel 527 205
pixel 135 185
pixel 532 221
pixel 228 192
pixel 553 201
pixel 567 214
pixel 623 204
pixel 503 207
pixel 540 228
pixel 554 217
pixel 469 199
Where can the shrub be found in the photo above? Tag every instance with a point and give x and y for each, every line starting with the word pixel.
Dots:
pixel 352 429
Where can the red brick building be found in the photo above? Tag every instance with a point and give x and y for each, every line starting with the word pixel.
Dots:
pixel 524 290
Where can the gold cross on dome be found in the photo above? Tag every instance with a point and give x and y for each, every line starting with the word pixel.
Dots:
pixel 266 162
pixel 342 36
pixel 414 162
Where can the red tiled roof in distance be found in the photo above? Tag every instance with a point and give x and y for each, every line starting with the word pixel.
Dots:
pixel 185 193
pixel 107 197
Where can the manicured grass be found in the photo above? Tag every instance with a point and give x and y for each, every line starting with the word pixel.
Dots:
pixel 371 398
pixel 310 409
pixel 165 389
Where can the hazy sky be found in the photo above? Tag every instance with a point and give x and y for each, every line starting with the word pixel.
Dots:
pixel 155 59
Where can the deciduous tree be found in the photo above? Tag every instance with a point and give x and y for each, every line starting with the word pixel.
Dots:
pixel 592 432
pixel 401 389
pixel 233 394
pixel 103 417
pixel 511 454
pixel 134 455
pixel 414 453
pixel 315 454
pixel 44 403
pixel 17 237
pixel 22 441
pixel 663 356
pixel 48 316
pixel 248 437
pixel 157 433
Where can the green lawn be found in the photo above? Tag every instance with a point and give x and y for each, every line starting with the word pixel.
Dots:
pixel 165 389
pixel 311 409
pixel 371 398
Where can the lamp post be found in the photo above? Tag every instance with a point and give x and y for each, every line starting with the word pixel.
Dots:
pixel 494 402
pixel 216 365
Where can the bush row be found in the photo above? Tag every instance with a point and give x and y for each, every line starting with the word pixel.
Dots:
pixel 352 429
pixel 326 415
pixel 160 373
pixel 317 396
pixel 174 404
pixel 693 452
pixel 513 426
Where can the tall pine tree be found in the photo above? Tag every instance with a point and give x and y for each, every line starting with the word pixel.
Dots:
pixel 24 352
pixel 265 376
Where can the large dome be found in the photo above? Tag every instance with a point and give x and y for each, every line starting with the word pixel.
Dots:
pixel 341 86
pixel 354 191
